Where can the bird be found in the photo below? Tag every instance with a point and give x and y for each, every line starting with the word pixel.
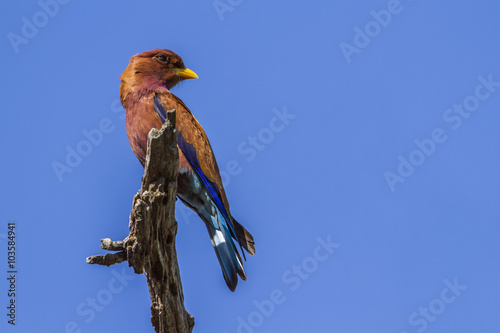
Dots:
pixel 145 94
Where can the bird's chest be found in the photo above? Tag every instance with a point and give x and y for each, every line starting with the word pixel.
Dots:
pixel 141 118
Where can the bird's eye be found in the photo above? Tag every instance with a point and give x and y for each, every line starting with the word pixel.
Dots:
pixel 162 58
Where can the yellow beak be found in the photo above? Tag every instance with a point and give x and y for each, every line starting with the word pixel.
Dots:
pixel 185 73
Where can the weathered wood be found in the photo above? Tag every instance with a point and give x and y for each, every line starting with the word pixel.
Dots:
pixel 150 246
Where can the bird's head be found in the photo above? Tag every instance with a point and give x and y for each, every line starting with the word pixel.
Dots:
pixel 156 70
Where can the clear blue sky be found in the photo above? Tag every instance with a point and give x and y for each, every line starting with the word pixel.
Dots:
pixel 359 144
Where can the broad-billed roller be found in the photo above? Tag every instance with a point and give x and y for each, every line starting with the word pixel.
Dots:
pixel 145 94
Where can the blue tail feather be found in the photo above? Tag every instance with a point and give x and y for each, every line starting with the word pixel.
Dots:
pixel 227 254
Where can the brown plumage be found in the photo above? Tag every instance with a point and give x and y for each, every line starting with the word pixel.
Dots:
pixel 151 75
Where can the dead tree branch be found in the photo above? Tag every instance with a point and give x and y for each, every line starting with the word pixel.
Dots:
pixel 150 246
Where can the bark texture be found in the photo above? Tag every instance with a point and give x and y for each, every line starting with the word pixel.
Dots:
pixel 150 246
